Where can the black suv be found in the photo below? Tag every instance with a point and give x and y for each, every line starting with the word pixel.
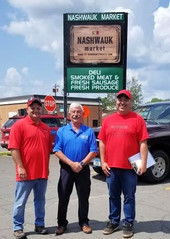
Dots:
pixel 157 117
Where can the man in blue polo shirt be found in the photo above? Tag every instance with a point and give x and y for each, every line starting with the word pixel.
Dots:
pixel 75 146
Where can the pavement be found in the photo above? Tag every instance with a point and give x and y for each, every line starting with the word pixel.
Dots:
pixel 153 207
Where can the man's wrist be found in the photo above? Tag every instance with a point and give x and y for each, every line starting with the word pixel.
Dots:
pixel 82 164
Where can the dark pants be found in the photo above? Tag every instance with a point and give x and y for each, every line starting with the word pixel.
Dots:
pixel 65 187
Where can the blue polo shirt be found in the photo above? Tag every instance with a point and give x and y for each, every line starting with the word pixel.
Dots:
pixel 75 145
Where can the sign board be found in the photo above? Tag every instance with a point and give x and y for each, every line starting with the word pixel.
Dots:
pixel 95 51
pixel 95 44
pixel 86 111
pixel 49 103
pixel 94 79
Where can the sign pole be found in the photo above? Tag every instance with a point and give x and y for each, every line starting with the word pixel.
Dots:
pixel 65 74
pixel 125 51
pixel 65 100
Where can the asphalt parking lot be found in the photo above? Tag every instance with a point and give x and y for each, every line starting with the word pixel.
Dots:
pixel 152 210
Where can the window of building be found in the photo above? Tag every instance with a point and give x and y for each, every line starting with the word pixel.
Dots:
pixel 95 123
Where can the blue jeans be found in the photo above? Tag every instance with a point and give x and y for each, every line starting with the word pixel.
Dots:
pixel 122 181
pixel 22 192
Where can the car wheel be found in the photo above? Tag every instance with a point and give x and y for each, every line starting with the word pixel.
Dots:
pixel 98 170
pixel 160 170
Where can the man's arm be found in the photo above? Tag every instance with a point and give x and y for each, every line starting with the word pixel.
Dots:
pixel 17 159
pixel 144 154
pixel 105 166
pixel 63 158
pixel 75 166
pixel 89 157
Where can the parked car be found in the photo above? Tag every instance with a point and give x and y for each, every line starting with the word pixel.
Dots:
pixel 53 121
pixel 157 117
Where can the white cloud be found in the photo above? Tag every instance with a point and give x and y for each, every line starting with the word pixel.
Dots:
pixel 25 70
pixel 161 47
pixel 42 8
pixel 37 33
pixel 13 77
pixel 13 82
pixel 136 39
pixel 132 73
pixel 16 82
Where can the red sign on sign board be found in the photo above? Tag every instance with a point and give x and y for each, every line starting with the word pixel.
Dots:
pixel 49 103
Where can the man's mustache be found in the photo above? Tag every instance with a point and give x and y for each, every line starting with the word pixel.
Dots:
pixel 76 116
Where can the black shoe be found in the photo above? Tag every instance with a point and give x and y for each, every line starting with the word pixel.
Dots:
pixel 60 230
pixel 19 234
pixel 110 228
pixel 127 230
pixel 41 230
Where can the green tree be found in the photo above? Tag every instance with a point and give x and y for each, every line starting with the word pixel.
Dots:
pixel 156 100
pixel 109 102
pixel 136 90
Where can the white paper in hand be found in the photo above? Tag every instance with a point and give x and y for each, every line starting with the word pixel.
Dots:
pixel 135 161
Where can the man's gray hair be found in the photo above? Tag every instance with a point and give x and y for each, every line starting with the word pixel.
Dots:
pixel 75 105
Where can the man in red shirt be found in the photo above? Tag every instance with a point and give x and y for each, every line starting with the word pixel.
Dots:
pixel 122 135
pixel 30 145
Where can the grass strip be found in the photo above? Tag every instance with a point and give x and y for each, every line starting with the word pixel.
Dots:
pixel 5 153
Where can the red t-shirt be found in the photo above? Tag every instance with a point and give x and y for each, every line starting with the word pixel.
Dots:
pixel 34 143
pixel 121 135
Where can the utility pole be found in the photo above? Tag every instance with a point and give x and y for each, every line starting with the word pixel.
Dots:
pixel 99 111
pixel 55 89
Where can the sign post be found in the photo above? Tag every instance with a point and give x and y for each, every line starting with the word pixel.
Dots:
pixel 49 104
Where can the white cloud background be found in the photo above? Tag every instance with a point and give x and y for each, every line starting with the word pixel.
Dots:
pixel 37 30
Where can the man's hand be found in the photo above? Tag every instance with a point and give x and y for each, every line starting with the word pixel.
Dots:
pixel 76 167
pixel 142 169
pixel 106 169
pixel 22 172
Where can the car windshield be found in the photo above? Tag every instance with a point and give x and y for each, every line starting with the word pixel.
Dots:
pixel 159 114
pixel 52 122
pixel 10 122
pixel 62 121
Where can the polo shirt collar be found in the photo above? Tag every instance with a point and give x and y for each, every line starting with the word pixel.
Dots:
pixel 30 121
pixel 71 128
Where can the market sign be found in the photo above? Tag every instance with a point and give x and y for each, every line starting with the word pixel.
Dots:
pixel 95 50
pixel 106 16
pixel 95 44
pixel 94 79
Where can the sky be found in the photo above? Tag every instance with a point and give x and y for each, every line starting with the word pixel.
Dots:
pixel 31 44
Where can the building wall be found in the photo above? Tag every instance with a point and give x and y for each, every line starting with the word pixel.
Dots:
pixel 9 110
pixel 94 115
